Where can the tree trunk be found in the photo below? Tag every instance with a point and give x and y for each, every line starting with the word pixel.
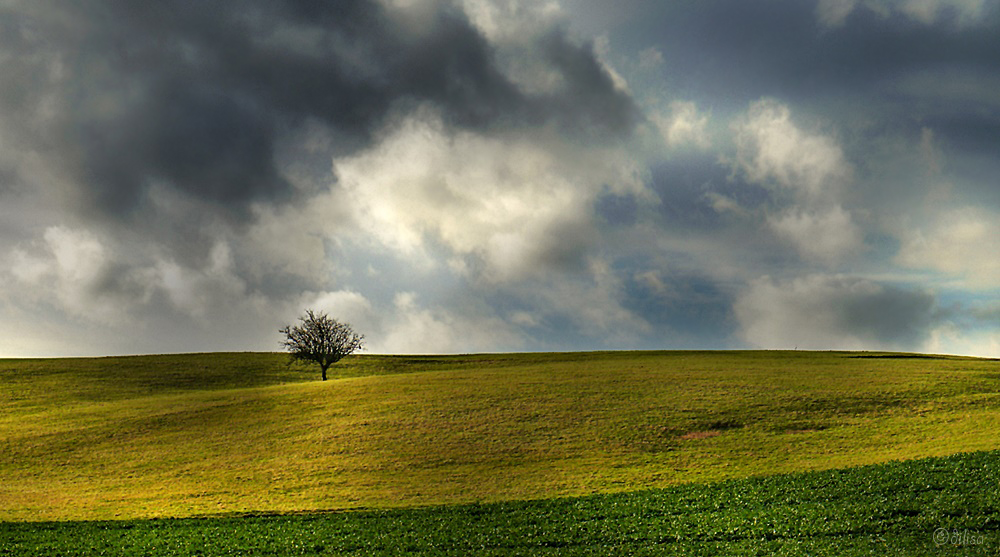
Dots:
pixel 322 367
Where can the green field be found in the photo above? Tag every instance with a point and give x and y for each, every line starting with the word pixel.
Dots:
pixel 130 438
pixel 942 506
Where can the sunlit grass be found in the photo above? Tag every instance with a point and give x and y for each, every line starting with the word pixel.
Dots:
pixel 202 434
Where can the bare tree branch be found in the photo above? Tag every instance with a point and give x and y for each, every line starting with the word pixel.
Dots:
pixel 321 340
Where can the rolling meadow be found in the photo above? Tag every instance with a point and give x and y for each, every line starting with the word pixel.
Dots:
pixel 599 453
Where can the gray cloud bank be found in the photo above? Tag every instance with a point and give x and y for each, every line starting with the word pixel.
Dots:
pixel 823 312
pixel 479 175
pixel 190 96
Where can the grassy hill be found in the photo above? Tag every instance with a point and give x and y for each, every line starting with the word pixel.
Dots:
pixel 200 434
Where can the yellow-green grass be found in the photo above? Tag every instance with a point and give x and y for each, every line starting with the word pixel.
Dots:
pixel 200 434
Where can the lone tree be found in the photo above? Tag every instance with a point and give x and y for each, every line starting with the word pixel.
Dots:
pixel 321 340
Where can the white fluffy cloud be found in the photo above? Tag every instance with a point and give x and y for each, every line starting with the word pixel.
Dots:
pixel 773 151
pixel 951 339
pixel 683 124
pixel 821 235
pixel 514 204
pixel 511 20
pixel 415 329
pixel 407 325
pixel 807 175
pixel 961 243
pixel 74 270
pixel 89 287
pixel 347 305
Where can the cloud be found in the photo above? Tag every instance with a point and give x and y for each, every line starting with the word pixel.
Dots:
pixel 90 277
pixel 79 292
pixel 515 205
pixel 76 271
pixel 123 99
pixel 821 235
pixel 963 12
pixel 431 169
pixel 200 292
pixel 581 312
pixel 181 167
pixel 949 338
pixel 513 21
pixel 834 12
pixel 680 306
pixel 683 125
pixel 773 151
pixel 348 306
pixel 961 243
pixel 969 326
pixel 833 312
pixel 415 329
pixel 806 174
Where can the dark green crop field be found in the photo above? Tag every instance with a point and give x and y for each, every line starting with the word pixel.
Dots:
pixel 938 506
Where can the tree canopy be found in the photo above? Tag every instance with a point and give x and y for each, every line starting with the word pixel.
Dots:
pixel 320 339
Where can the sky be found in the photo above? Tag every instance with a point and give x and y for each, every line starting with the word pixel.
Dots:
pixel 488 175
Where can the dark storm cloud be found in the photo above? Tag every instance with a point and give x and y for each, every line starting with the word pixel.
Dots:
pixel 201 142
pixel 744 50
pixel 587 100
pixel 190 96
